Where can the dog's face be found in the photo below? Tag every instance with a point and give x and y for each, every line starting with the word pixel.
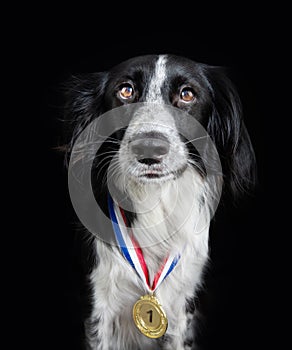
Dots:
pixel 152 148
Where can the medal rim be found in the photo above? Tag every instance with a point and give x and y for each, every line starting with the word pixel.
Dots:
pixel 154 333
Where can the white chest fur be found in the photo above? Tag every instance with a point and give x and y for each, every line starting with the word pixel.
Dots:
pixel 116 286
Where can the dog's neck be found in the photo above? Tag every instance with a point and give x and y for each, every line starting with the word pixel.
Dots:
pixel 168 216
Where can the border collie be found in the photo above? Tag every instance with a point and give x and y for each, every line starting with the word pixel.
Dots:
pixel 174 141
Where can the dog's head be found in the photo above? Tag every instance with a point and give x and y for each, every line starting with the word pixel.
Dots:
pixel 152 148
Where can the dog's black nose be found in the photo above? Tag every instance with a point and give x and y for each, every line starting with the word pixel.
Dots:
pixel 149 148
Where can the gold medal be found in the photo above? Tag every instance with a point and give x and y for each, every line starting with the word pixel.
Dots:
pixel 150 317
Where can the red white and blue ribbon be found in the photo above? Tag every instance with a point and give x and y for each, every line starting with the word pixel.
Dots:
pixel 132 251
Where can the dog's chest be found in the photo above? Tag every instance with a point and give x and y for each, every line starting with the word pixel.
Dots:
pixel 117 287
pixel 116 290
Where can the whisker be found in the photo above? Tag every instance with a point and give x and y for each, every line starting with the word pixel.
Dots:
pixel 113 170
pixel 195 139
pixel 107 161
pixel 107 152
pixel 199 157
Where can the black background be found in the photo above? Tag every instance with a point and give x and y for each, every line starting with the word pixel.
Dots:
pixel 46 50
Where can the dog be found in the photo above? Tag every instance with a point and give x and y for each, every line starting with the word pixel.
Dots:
pixel 158 188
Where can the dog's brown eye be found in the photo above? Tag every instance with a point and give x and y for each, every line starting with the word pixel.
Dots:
pixel 187 94
pixel 126 91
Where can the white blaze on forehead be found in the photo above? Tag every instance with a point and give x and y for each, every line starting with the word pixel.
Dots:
pixel 154 91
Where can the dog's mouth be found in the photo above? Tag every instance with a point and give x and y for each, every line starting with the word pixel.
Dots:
pixel 152 174
pixel 158 174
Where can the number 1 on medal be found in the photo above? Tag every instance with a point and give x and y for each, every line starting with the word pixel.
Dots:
pixel 150 312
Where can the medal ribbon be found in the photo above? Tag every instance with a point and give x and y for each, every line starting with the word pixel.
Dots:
pixel 132 251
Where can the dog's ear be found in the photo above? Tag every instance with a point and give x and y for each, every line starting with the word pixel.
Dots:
pixel 226 128
pixel 83 102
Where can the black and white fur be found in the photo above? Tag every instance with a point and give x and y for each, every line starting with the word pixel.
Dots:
pixel 157 80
